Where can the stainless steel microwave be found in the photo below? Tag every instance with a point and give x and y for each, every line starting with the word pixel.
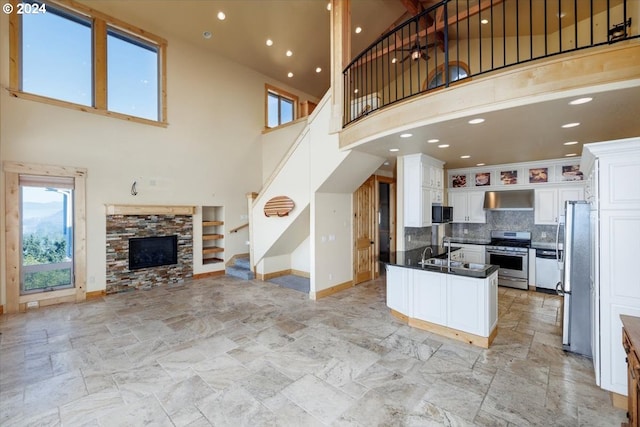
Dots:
pixel 441 213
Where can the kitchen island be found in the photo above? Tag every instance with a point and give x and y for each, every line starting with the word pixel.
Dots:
pixel 460 303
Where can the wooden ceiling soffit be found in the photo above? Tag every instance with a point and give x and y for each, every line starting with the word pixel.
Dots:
pixel 436 27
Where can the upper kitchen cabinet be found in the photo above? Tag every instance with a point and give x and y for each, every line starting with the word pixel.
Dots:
pixel 468 206
pixel 549 202
pixel 423 182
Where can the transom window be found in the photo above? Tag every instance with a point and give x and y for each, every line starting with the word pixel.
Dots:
pixel 457 71
pixel 76 57
pixel 281 107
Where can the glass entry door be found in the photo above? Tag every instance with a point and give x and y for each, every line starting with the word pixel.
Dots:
pixel 46 218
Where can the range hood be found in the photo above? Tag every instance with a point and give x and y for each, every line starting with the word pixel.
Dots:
pixel 509 200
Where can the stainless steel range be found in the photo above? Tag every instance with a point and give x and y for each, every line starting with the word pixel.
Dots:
pixel 510 251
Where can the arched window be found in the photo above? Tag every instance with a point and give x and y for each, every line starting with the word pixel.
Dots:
pixel 457 71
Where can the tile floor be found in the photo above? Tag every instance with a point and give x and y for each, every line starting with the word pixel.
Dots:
pixel 228 353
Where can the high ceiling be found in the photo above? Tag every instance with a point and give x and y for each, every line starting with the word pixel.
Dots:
pixel 511 135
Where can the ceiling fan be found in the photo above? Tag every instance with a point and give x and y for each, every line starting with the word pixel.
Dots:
pixel 417 51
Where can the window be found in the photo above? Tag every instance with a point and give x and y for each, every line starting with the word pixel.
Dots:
pixel 45 216
pixel 73 56
pixel 457 71
pixel 281 107
pixel 132 73
pixel 56 56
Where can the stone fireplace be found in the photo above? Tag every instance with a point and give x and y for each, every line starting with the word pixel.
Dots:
pixel 133 222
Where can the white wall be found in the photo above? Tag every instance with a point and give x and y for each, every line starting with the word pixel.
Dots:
pixel 276 143
pixel 210 154
pixel 332 248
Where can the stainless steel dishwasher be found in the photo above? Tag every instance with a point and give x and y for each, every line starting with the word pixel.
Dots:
pixel 548 265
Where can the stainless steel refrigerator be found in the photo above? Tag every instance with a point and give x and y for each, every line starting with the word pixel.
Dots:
pixel 575 282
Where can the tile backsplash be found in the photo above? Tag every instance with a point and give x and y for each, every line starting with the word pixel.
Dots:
pixel 496 220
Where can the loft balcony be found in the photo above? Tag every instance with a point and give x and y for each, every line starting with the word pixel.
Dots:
pixel 459 57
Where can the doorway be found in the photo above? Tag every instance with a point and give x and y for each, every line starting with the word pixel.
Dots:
pixel 373 227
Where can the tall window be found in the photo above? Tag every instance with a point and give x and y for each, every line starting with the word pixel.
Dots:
pixel 132 73
pixel 73 56
pixel 56 56
pixel 47 233
pixel 281 107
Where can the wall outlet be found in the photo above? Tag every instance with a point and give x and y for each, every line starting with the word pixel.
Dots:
pixel 330 276
pixel 409 237
pixel 33 304
pixel 465 231
pixel 543 234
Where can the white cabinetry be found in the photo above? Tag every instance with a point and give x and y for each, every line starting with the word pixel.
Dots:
pixel 460 303
pixel 613 168
pixel 430 297
pixel 465 304
pixel 549 202
pixel 423 182
pixel 468 206
pixel 399 282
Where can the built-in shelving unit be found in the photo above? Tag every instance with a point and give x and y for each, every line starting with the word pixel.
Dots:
pixel 212 234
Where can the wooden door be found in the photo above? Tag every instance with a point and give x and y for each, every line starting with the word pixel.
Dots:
pixel 364 212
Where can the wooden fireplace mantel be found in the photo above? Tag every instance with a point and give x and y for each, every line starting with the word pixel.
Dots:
pixel 149 210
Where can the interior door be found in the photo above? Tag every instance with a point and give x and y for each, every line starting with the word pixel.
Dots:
pixel 364 212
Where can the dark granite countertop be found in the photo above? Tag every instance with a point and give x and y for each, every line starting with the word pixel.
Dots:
pixel 411 259
pixel 470 241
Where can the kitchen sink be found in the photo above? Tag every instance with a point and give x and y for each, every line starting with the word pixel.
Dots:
pixel 439 262
pixel 472 269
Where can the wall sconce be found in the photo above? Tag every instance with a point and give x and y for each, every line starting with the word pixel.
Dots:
pixel 619 31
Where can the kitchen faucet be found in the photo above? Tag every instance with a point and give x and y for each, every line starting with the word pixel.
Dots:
pixel 425 251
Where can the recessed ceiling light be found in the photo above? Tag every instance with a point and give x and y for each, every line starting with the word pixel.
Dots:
pixel 393 150
pixel 355 91
pixel 206 34
pixel 443 145
pixel 290 74
pixel 476 121
pixel 570 125
pixel 406 135
pixel 571 143
pixel 561 15
pixel 466 156
pixel 269 42
pixel 484 21
pixel 318 69
pixel 328 6
pixel 432 141
pixel 480 164
pixel 289 53
pixel 581 101
pixel 221 16
pixel 358 30
pixel 386 163
pixel 394 60
pixel 571 155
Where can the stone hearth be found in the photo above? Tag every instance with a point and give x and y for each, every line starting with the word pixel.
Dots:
pixel 120 228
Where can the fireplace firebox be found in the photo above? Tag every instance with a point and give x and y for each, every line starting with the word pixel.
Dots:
pixel 154 251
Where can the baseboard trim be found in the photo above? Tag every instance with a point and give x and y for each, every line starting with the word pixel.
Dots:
pixel 619 401
pixel 330 291
pixel 209 274
pixel 96 294
pixel 1 309
pixel 444 331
